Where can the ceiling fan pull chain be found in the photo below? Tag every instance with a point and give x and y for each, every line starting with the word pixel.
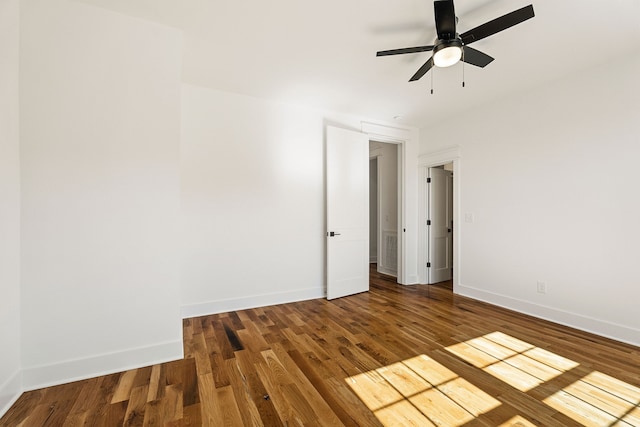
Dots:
pixel 462 67
pixel 432 72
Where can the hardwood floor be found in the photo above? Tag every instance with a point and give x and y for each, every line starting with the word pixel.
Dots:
pixel 397 355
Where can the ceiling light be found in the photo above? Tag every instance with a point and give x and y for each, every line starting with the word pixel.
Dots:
pixel 447 53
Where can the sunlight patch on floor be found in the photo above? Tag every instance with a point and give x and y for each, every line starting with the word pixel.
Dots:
pixel 598 399
pixel 517 421
pixel 420 391
pixel 517 363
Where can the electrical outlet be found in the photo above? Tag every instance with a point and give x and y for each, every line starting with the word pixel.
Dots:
pixel 542 287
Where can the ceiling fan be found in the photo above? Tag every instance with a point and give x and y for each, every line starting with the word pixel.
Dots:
pixel 451 47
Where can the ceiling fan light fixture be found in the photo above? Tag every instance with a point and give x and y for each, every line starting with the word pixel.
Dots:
pixel 447 53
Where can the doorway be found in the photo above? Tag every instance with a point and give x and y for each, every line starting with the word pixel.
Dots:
pixel 373 211
pixel 439 158
pixel 440 224
pixel 385 173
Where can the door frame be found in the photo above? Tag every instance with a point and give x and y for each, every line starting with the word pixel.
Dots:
pixel 426 161
pixel 377 207
pixel 379 231
pixel 402 138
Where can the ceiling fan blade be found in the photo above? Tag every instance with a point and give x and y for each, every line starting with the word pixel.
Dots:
pixel 496 25
pixel 475 57
pixel 405 50
pixel 422 70
pixel 445 16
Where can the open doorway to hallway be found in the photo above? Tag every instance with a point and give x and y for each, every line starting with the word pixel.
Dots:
pixel 384 172
pixel 440 224
pixel 450 157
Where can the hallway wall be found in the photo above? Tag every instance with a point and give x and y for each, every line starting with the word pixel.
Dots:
pixel 10 378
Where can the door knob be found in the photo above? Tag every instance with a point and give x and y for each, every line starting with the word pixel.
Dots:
pixel 332 233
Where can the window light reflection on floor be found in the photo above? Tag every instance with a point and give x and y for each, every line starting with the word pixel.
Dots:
pixel 598 400
pixel 517 421
pixel 517 363
pixel 594 400
pixel 420 391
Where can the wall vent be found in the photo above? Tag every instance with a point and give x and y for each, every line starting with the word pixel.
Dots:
pixel 390 239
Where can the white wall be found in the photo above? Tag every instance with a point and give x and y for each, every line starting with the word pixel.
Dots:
pixel 252 202
pixel 99 124
pixel 551 178
pixel 387 155
pixel 252 192
pixel 10 380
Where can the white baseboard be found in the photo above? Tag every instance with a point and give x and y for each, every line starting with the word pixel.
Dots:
pixel 388 272
pixel 105 364
pixel 10 391
pixel 412 280
pixel 588 324
pixel 373 260
pixel 223 306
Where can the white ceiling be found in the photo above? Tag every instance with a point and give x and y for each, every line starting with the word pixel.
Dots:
pixel 322 53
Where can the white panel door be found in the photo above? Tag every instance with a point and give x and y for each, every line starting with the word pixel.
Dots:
pixel 347 172
pixel 440 239
pixel 449 191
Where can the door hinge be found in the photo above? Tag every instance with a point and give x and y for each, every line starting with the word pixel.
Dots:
pixel 428 265
pixel 428 180
pixel 428 222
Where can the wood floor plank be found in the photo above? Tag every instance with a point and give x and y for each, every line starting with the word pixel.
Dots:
pixel 336 405
pixel 134 416
pixel 192 416
pixel 247 364
pixel 154 383
pixel 153 414
pixel 103 413
pixel 397 355
pixel 123 391
pixel 220 375
pixel 90 398
pixel 190 395
pixel 275 385
pixel 23 408
pixel 252 337
pixel 305 388
pixel 243 396
pixel 230 412
pixel 173 408
pixel 201 353
pixel 226 349
pixel 113 415
pixel 210 410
